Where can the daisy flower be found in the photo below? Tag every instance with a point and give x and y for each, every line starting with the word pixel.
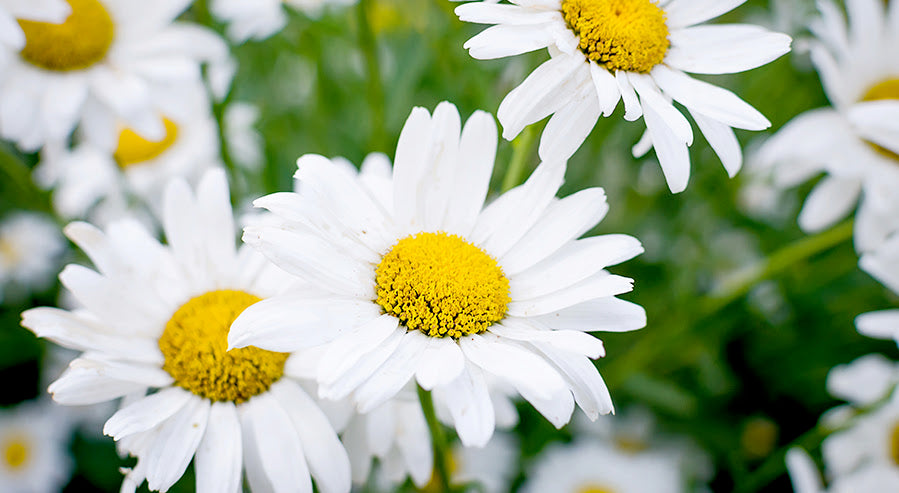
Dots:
pixel 100 67
pixel 100 182
pixel 153 330
pixel 635 51
pixel 418 280
pixel 883 264
pixel 806 478
pixel 30 246
pixel 11 35
pixel 262 18
pixel 855 142
pixel 34 449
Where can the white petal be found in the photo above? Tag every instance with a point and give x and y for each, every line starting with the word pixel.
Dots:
pixel 175 443
pixel 507 40
pixel 882 324
pixel 443 361
pixel 651 97
pixel 803 472
pixel 276 444
pixel 724 49
pixel 723 142
pixel 219 461
pixel 671 151
pixel 408 165
pixel 606 88
pixel 146 413
pixel 342 354
pixel 569 340
pixel 569 127
pixel 589 389
pixel 598 285
pixel 363 370
pixel 602 314
pixel 394 374
pixel 831 200
pixel 681 13
pixel 477 152
pixel 526 371
pixel 469 404
pixel 632 108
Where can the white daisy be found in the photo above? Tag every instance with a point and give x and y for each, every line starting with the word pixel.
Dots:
pixel 856 141
pixel 101 182
pixel 11 35
pixel 636 51
pixel 262 18
pixel 156 318
pixel 596 467
pixel 807 479
pixel 883 264
pixel 493 466
pixel 100 67
pixel 30 247
pixel 33 449
pixel 245 143
pixel 436 287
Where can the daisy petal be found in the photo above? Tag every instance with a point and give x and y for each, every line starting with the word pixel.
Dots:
pixel 507 40
pixel 671 151
pixel 598 285
pixel 514 364
pixel 724 49
pixel 274 441
pixel 146 413
pixel 723 141
pixel 443 363
pixel 682 13
pixel 219 461
pixel 469 404
pixel 589 389
pixel 882 324
pixel 831 200
pixel 569 127
pixel 393 374
pixel 604 314
pixel 175 443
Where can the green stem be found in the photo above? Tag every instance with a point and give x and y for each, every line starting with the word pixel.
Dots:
pixel 744 280
pixel 522 147
pixel 19 175
pixel 369 46
pixel 438 437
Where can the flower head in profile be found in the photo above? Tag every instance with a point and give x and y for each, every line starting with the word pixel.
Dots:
pixel 637 51
pixel 855 143
pixel 417 279
pixel 153 329
pixel 101 67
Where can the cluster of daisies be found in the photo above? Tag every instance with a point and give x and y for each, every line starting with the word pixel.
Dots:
pixel 351 317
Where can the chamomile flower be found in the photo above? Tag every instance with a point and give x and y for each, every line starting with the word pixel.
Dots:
pixel 30 247
pixel 104 182
pixel 155 319
pixel 33 449
pixel 883 264
pixel 260 19
pixel 417 279
pixel 11 35
pixel 635 51
pixel 806 478
pixel 100 67
pixel 855 142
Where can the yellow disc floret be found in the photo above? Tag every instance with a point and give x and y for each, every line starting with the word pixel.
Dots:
pixel 79 42
pixel 134 149
pixel 884 90
pixel 894 444
pixel 15 453
pixel 628 35
pixel 441 285
pixel 593 489
pixel 195 346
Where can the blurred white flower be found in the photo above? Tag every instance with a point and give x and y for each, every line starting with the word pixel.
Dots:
pixel 245 143
pixel 638 51
pixel 883 264
pixel 30 247
pixel 34 454
pixel 101 67
pixel 156 318
pixel 855 142
pixel 260 19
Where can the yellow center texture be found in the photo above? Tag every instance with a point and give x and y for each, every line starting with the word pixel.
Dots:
pixel 79 42
pixel 15 453
pixel 195 346
pixel 593 489
pixel 441 285
pixel 887 89
pixel 628 35
pixel 894 444
pixel 134 149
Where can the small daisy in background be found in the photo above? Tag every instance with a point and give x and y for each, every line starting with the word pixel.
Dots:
pixel 155 319
pixel 636 51
pixel 34 443
pixel 883 264
pixel 31 245
pixel 99 68
pixel 418 279
pixel 261 19
pixel 855 143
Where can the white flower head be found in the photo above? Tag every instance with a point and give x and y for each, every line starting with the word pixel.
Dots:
pixel 30 247
pixel 635 51
pixel 855 142
pixel 34 449
pixel 101 67
pixel 417 279
pixel 153 329
pixel 260 19
pixel 883 264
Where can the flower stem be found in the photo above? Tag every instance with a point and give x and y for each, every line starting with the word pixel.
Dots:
pixel 369 46
pixel 522 147
pixel 438 437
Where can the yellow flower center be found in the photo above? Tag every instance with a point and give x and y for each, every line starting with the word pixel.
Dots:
pixel 441 285
pixel 15 453
pixel 894 444
pixel 887 89
pixel 195 346
pixel 134 149
pixel 79 42
pixel 628 35
pixel 591 488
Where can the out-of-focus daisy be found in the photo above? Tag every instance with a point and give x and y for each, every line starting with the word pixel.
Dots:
pixel 856 141
pixel 416 279
pixel 11 35
pixel 156 318
pixel 99 68
pixel 493 466
pixel 33 449
pixel 100 183
pixel 260 19
pixel 244 142
pixel 598 467
pixel 30 246
pixel 806 478
pixel 883 264
pixel 636 51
